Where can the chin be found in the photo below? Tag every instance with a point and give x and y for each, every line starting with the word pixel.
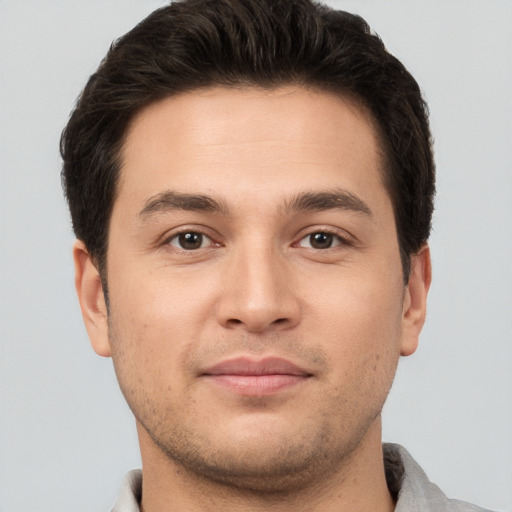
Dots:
pixel 272 462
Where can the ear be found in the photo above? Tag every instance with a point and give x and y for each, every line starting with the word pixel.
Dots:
pixel 415 300
pixel 92 301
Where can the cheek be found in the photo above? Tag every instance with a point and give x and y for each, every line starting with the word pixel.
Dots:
pixel 156 318
pixel 360 320
pixel 158 301
pixel 145 332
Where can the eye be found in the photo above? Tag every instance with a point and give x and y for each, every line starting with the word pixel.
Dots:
pixel 190 241
pixel 321 240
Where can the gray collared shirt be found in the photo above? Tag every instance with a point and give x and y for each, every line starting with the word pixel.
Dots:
pixel 406 481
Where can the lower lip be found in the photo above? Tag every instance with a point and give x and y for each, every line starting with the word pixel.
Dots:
pixel 257 385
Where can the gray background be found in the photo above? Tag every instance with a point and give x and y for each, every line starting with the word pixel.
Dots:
pixel 66 435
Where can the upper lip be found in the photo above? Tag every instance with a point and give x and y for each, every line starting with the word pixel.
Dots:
pixel 255 367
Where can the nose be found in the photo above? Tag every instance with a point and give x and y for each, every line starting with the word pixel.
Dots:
pixel 258 293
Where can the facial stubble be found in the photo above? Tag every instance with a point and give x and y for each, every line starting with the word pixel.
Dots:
pixel 263 462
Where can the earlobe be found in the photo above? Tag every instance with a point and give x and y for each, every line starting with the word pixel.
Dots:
pixel 415 300
pixel 92 301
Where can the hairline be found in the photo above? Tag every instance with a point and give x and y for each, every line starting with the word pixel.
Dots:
pixel 354 99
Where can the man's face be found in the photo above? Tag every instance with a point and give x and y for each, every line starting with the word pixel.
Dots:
pixel 257 305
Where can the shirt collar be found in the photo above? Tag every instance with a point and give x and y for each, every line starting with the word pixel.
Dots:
pixel 406 481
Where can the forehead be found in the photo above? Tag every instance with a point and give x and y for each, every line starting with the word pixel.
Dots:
pixel 245 139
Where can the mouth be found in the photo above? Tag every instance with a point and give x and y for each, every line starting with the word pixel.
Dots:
pixel 256 377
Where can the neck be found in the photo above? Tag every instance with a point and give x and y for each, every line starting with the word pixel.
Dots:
pixel 358 485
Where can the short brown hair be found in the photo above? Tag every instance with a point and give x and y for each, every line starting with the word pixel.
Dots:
pixel 193 44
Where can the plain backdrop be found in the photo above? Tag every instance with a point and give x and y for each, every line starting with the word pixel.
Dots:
pixel 66 435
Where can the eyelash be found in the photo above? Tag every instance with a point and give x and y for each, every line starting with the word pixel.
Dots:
pixel 342 240
pixel 175 236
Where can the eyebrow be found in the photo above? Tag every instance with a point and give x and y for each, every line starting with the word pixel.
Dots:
pixel 170 200
pixel 337 199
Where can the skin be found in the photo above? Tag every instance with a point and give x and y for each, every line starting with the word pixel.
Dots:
pixel 258 285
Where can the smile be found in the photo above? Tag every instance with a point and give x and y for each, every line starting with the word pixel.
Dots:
pixel 250 377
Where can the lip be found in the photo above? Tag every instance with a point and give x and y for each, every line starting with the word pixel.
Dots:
pixel 256 377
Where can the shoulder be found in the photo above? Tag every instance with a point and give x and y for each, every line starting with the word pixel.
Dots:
pixel 414 491
pixel 130 493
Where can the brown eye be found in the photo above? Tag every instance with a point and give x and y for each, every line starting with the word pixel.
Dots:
pixel 321 240
pixel 190 241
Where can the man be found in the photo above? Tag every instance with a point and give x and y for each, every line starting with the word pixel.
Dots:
pixel 251 184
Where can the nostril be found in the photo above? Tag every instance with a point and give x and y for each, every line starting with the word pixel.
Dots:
pixel 280 320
